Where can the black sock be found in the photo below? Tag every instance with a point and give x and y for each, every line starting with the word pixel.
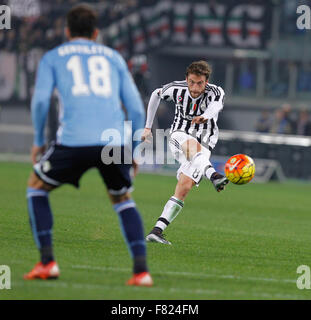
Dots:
pixel 133 232
pixel 46 254
pixel 41 221
pixel 140 264
pixel 216 175
pixel 157 230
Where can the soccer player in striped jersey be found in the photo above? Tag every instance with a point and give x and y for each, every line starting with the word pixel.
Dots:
pixel 193 135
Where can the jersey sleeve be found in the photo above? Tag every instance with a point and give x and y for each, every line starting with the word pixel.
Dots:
pixel 216 102
pixel 40 103
pixel 218 95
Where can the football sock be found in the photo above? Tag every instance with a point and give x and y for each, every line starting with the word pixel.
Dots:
pixel 216 175
pixel 41 222
pixel 209 172
pixel 133 232
pixel 46 254
pixel 170 212
pixel 140 264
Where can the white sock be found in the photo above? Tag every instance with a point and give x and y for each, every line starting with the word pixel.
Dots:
pixel 170 212
pixel 209 170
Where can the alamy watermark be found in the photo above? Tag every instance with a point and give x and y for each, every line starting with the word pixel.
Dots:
pixel 303 281
pixel 304 20
pixel 5 17
pixel 159 148
pixel 5 277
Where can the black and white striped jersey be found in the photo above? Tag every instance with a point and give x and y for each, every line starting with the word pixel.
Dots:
pixel 186 108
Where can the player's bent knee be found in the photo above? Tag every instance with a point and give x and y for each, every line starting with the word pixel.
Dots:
pixel 119 198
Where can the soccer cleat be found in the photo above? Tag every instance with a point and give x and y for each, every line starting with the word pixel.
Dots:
pixel 155 236
pixel 41 271
pixel 142 279
pixel 219 181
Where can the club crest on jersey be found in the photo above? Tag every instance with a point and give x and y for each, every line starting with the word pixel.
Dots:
pixel 203 106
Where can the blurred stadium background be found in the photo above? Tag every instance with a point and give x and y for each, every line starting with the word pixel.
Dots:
pixel 258 56
pixel 245 243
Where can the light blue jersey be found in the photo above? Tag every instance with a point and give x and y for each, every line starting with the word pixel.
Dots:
pixel 92 80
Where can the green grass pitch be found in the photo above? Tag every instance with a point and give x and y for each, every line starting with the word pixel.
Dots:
pixel 244 243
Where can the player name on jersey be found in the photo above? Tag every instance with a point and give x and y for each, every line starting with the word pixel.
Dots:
pixel 84 49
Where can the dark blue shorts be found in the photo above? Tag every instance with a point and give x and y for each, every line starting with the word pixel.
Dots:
pixel 61 164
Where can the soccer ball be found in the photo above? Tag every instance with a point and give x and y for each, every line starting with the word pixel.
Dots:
pixel 240 169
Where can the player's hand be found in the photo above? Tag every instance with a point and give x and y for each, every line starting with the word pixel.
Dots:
pixel 199 120
pixel 147 135
pixel 35 152
pixel 135 168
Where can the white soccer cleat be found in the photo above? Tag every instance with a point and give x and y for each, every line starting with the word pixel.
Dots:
pixel 157 237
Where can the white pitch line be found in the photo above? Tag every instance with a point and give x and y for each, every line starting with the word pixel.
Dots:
pixel 62 284
pixel 189 274
pixel 59 284
pixel 186 274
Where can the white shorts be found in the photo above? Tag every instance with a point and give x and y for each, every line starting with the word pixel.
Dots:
pixel 177 139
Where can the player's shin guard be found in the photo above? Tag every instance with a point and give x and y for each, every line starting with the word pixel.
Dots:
pixel 41 222
pixel 132 228
pixel 170 212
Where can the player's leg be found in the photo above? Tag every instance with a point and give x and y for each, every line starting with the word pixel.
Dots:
pixel 118 181
pixel 132 229
pixel 195 163
pixel 171 209
pixel 199 157
pixel 41 221
pixel 58 165
pixel 176 202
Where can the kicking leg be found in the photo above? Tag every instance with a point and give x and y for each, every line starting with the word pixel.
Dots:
pixel 201 165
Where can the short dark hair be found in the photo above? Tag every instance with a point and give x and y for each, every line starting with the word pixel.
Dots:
pixel 199 68
pixel 81 21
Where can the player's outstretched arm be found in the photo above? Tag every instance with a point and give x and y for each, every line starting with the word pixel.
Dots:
pixel 40 103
